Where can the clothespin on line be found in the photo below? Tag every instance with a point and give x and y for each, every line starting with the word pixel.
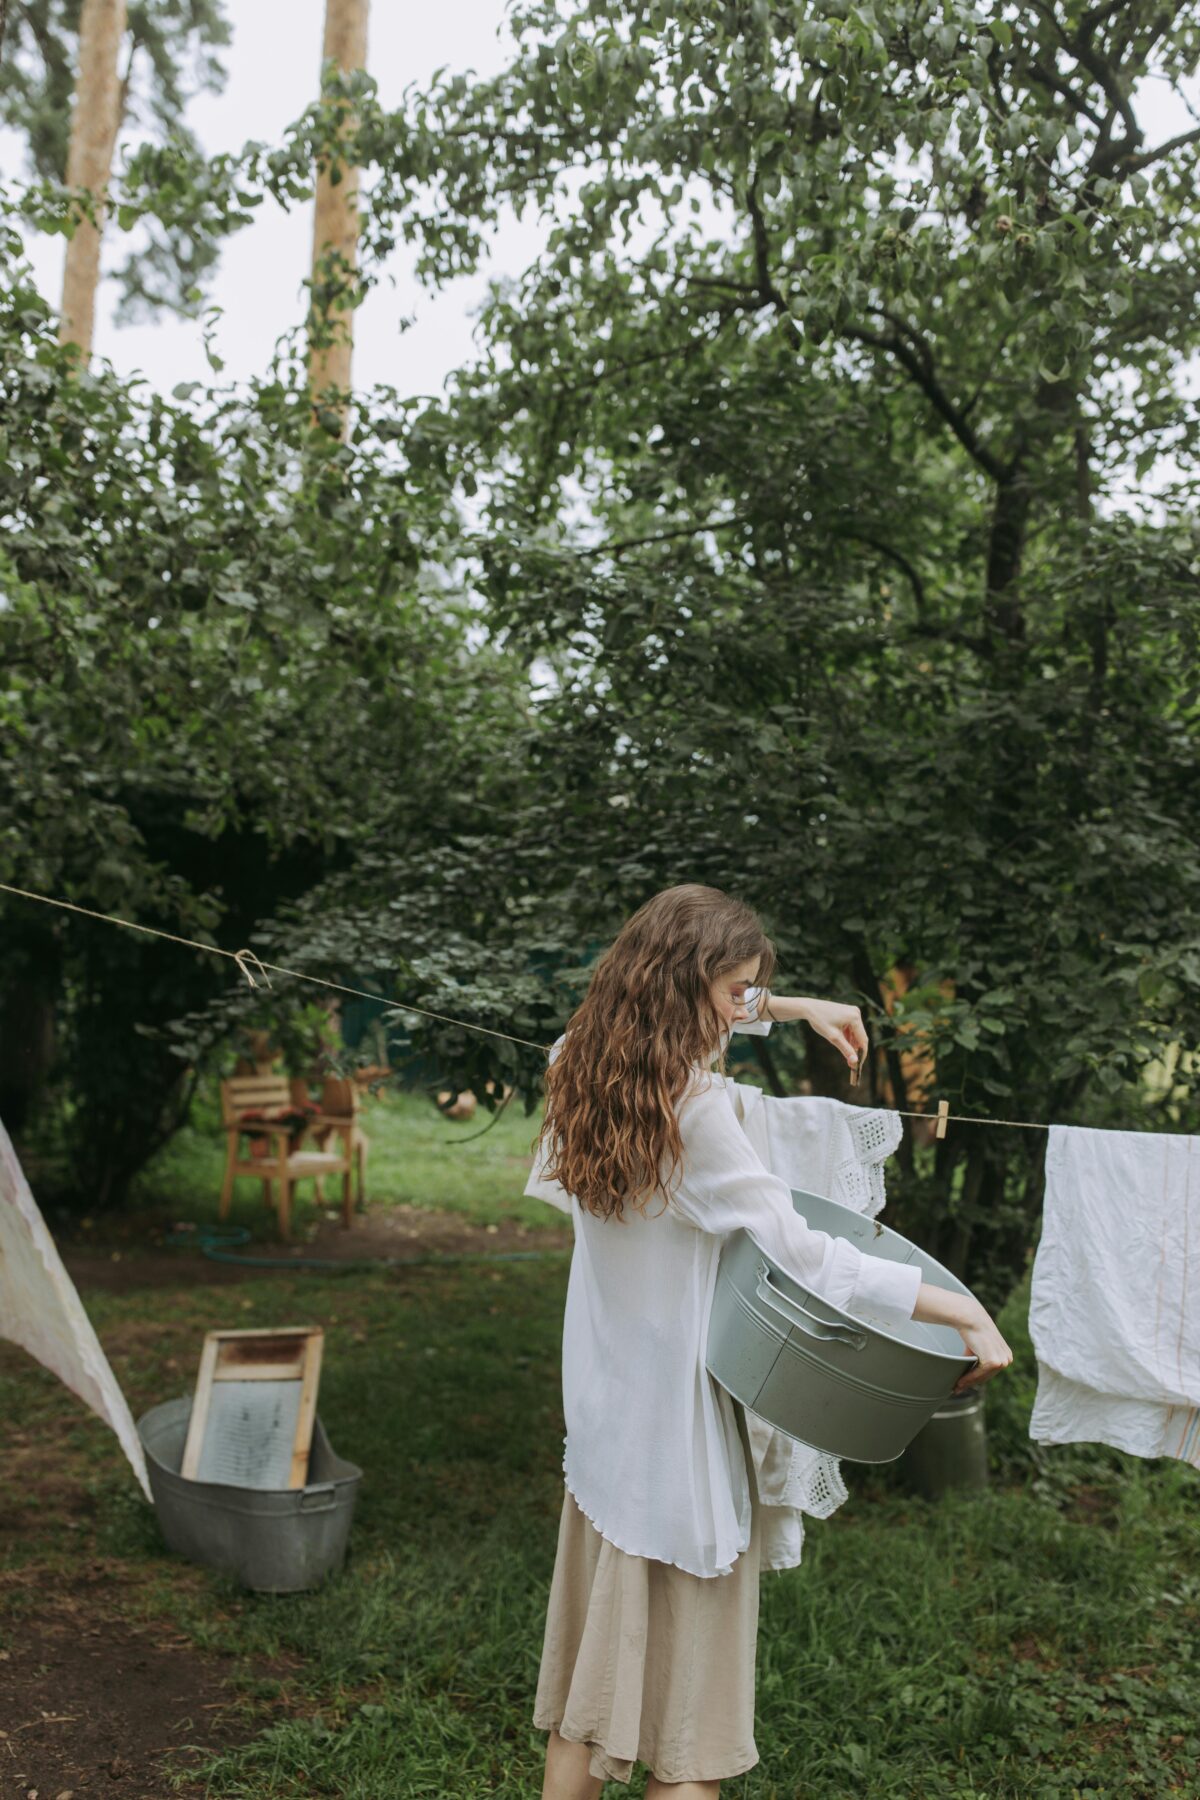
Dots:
pixel 943 1113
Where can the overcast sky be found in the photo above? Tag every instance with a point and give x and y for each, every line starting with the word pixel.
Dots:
pixel 272 77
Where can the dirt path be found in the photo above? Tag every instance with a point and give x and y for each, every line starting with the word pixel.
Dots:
pixel 394 1234
pixel 91 1702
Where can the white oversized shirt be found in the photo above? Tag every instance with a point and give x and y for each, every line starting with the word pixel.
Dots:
pixel 652 1451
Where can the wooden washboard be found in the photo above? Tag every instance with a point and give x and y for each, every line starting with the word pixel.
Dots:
pixel 254 1406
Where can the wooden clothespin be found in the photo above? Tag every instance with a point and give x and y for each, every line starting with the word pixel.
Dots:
pixel 856 1071
pixel 943 1113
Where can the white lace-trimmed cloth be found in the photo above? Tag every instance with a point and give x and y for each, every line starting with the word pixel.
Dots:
pixel 823 1147
pixel 41 1311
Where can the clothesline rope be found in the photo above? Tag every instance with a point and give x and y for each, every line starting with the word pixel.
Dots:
pixel 243 957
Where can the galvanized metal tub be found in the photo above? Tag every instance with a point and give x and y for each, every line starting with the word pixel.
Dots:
pixel 852 1388
pixel 276 1541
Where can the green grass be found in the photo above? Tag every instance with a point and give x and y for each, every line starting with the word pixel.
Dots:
pixel 1000 1644
pixel 417 1158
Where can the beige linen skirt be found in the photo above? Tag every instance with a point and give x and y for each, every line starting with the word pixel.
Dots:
pixel 645 1663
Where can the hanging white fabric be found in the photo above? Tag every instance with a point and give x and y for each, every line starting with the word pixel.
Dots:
pixel 41 1311
pixel 1114 1306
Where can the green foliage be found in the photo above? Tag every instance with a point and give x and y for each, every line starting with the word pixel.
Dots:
pixel 796 468
pixel 229 645
pixel 800 448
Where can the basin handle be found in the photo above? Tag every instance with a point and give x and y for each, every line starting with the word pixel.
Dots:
pixel 786 1308
pixel 320 1498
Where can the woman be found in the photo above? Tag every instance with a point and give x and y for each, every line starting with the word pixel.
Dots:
pixel 651 1628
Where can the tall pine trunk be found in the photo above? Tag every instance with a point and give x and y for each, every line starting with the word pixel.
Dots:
pixel 95 121
pixel 335 227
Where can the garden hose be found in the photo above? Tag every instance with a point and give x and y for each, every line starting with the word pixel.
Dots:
pixel 216 1242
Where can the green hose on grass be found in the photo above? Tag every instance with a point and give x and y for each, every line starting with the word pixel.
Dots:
pixel 217 1241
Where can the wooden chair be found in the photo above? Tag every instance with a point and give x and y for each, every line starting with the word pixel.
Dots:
pixel 341 1112
pixel 282 1164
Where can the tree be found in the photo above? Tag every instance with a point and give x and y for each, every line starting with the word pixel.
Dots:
pixel 335 219
pixel 95 120
pixel 805 494
pixel 829 336
pixel 165 52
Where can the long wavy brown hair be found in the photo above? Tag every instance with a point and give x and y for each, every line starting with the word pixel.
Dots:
pixel 630 1047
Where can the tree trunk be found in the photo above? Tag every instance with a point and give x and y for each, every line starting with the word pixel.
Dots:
pixel 335 228
pixel 95 121
pixel 1006 550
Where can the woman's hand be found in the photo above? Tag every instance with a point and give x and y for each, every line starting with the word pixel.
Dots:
pixel 842 1026
pixel 974 1324
pixel 982 1337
